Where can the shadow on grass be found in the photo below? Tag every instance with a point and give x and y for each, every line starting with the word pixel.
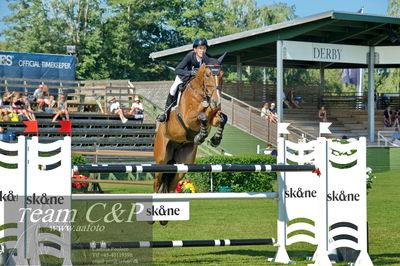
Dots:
pixel 386 259
pixel 244 252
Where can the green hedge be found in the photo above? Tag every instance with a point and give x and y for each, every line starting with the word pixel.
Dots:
pixel 239 181
pixel 78 159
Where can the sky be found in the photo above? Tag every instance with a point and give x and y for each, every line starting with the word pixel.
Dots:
pixel 310 7
pixel 303 7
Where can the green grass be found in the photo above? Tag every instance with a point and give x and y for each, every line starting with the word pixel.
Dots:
pixel 236 141
pixel 219 219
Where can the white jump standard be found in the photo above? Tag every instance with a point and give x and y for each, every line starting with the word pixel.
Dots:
pixel 319 208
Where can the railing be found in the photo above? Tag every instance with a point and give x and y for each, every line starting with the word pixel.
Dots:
pixel 344 101
pixel 248 118
pixel 386 138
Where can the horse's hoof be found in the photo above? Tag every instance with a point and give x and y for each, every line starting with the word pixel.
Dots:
pixel 163 223
pixel 215 142
pixel 150 222
pixel 198 140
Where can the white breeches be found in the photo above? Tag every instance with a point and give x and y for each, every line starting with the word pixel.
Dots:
pixel 174 86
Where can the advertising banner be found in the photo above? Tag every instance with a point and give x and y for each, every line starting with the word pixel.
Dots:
pixel 37 66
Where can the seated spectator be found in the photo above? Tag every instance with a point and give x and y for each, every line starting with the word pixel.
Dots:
pixel 27 106
pixel 396 118
pixel 273 113
pixel 270 150
pixel 137 107
pixel 39 97
pixel 293 100
pixel 3 111
pixel 19 106
pixel 50 105
pixel 322 114
pixel 116 109
pixel 62 109
pixel 265 111
pixel 6 103
pixel 387 117
pixel 396 135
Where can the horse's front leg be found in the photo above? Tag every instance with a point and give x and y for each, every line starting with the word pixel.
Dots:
pixel 216 139
pixel 203 134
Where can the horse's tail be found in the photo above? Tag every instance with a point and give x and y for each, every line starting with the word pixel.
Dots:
pixel 166 179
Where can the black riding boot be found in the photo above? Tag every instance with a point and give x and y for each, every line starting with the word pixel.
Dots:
pixel 164 116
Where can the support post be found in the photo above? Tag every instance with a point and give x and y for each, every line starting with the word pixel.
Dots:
pixel 279 80
pixel 371 95
pixel 238 69
pixel 321 84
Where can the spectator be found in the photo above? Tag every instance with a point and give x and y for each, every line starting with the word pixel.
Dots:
pixel 39 97
pixel 270 150
pixel 396 135
pixel 27 106
pixel 62 109
pixel 322 114
pixel 50 105
pixel 273 113
pixel 19 106
pixel 3 111
pixel 116 109
pixel 137 107
pixel 265 111
pixel 294 101
pixel 387 117
pixel 396 118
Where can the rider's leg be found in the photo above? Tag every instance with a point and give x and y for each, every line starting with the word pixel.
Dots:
pixel 170 99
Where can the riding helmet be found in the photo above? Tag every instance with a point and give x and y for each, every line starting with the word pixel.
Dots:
pixel 200 41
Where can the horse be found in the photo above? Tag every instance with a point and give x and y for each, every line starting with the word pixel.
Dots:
pixel 189 124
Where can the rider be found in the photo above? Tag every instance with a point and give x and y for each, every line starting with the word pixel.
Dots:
pixel 184 71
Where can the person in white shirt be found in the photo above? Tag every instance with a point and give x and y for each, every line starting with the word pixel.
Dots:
pixel 137 107
pixel 265 111
pixel 116 109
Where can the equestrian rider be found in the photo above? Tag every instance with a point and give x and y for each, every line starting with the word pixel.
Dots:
pixel 186 69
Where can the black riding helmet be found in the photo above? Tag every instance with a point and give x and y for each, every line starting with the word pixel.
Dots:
pixel 200 41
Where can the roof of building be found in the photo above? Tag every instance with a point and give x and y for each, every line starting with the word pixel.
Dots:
pixel 258 46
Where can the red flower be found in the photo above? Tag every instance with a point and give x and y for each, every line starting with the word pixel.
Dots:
pixel 80 185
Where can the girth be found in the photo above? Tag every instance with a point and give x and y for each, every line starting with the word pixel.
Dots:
pixel 190 134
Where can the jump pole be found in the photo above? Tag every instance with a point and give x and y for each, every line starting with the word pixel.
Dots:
pixel 176 243
pixel 190 168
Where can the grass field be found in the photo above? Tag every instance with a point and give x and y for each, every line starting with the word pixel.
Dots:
pixel 221 219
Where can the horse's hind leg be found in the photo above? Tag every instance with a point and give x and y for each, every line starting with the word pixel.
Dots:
pixel 186 155
pixel 216 139
pixel 163 153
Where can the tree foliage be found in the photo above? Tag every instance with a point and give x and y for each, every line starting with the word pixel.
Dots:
pixel 114 38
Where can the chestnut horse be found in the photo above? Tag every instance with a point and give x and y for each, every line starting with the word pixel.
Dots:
pixel 189 123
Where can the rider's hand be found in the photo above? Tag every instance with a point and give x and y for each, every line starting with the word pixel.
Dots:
pixel 193 72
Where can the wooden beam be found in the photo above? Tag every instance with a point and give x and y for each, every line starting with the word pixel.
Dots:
pixel 112 182
pixel 116 153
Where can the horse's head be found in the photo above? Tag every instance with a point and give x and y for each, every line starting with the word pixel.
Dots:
pixel 211 72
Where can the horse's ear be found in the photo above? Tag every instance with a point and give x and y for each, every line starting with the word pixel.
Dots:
pixel 202 68
pixel 200 72
pixel 221 58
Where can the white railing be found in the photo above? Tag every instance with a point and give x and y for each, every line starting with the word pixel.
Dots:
pixel 248 118
pixel 385 136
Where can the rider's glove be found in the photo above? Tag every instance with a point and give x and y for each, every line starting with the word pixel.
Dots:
pixel 193 72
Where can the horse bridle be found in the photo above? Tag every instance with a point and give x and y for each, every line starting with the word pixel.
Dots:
pixel 215 70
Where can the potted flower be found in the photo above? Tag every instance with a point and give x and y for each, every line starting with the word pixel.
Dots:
pixel 185 187
pixel 78 186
